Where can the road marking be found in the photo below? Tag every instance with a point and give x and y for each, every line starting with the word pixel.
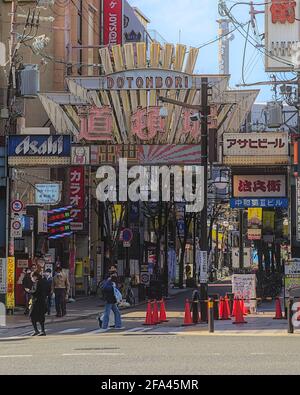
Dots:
pixel 16 356
pixel 71 330
pixel 108 354
pixel 256 354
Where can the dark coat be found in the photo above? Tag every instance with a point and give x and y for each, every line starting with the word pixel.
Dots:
pixel 27 282
pixel 39 306
pixel 108 292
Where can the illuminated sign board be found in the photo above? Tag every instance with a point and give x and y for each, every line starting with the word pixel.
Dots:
pixel 59 223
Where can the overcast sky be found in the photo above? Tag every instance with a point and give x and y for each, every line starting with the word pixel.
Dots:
pixel 196 19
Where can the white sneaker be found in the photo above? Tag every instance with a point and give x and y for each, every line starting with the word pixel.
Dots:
pixel 103 330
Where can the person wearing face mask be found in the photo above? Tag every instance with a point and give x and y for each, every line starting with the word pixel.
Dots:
pixel 38 306
pixel 61 288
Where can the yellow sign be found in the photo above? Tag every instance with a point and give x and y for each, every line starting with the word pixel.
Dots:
pixel 10 283
pixel 255 216
pixel 117 213
pixel 269 222
pixel 79 269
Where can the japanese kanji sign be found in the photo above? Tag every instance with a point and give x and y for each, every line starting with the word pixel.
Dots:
pixel 259 186
pixel 77 197
pixel 282 31
pixel 112 22
pixel 256 144
pixel 146 123
pixel 96 124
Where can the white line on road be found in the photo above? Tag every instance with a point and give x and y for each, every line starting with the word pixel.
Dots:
pixel 93 354
pixel 71 330
pixel 16 356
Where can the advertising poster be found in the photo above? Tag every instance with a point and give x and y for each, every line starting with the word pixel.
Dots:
pixel 268 222
pixel 255 217
pixel 77 197
pixel 292 276
pixel 113 22
pixel 244 286
pixel 10 283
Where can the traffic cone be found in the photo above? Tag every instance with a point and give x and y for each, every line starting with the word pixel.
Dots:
pixel 239 316
pixel 187 314
pixel 243 307
pixel 162 312
pixel 149 316
pixel 224 310
pixel 234 307
pixel 155 313
pixel 227 307
pixel 278 312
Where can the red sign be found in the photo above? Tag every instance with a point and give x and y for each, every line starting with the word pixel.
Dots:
pixel 112 22
pixel 146 123
pixel 77 196
pixel 97 124
pixel 283 11
pixel 263 186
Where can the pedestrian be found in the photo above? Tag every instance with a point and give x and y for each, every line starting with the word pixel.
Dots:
pixel 38 305
pixel 61 288
pixel 27 285
pixel 48 286
pixel 112 297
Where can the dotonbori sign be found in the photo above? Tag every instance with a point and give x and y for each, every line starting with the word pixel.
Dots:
pixel 147 79
pixel 113 22
pixel 256 148
pixel 33 150
pixel 282 32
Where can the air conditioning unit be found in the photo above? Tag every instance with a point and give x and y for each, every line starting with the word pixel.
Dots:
pixel 274 115
pixel 28 81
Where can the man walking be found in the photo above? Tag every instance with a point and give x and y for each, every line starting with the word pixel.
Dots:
pixel 112 297
pixel 27 285
pixel 48 286
pixel 61 288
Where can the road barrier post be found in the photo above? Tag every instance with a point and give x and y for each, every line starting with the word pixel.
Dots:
pixel 211 316
pixel 290 316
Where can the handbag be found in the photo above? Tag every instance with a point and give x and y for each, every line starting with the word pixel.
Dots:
pixel 118 295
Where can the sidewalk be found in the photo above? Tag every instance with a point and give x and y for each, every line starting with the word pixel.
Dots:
pixel 84 307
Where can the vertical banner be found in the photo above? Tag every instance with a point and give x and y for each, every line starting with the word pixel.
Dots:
pixel 77 197
pixel 112 22
pixel 269 222
pixel 2 275
pixel 10 284
pixel 298 208
pixel 255 217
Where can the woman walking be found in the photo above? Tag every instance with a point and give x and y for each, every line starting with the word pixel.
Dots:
pixel 39 306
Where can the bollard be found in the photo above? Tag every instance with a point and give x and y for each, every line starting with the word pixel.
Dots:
pixel 211 316
pixel 290 316
pixel 195 312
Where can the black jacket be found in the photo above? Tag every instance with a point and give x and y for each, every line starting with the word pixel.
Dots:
pixel 108 292
pixel 39 306
pixel 27 282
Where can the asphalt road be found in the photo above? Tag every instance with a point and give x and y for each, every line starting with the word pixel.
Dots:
pixel 78 348
pixel 148 354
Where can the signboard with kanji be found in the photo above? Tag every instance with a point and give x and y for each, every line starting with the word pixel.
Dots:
pixel 259 186
pixel 256 148
pixel 281 32
pixel 10 283
pixel 77 197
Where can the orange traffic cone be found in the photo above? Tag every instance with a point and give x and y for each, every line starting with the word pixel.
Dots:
pixel 149 316
pixel 162 312
pixel 155 314
pixel 224 311
pixel 243 307
pixel 278 313
pixel 239 316
pixel 221 308
pixel 234 307
pixel 187 314
pixel 227 306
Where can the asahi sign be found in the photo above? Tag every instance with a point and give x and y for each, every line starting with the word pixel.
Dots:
pixel 30 150
pixel 256 148
pixel 148 79
pixel 282 32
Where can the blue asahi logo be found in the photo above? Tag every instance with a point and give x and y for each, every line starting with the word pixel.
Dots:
pixel 50 146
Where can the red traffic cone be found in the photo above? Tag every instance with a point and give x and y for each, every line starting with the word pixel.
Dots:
pixel 227 306
pixel 221 308
pixel 239 316
pixel 234 307
pixel 278 310
pixel 149 316
pixel 155 313
pixel 243 307
pixel 225 316
pixel 162 312
pixel 187 314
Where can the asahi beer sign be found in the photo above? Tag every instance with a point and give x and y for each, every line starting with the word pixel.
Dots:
pixel 147 80
pixel 39 150
pixel 272 145
pixel 282 32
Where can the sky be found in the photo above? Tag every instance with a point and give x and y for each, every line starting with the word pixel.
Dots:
pixel 195 22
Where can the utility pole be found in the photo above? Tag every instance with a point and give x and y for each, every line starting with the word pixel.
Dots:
pixel 204 162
